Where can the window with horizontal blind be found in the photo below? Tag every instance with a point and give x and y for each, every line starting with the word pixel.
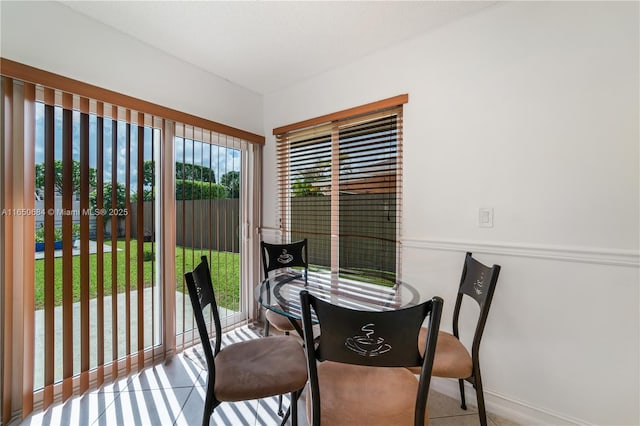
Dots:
pixel 340 186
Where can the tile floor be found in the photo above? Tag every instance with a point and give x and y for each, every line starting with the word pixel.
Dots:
pixel 172 393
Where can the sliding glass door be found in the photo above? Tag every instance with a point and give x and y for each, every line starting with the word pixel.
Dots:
pixel 97 296
pixel 209 197
pixel 104 208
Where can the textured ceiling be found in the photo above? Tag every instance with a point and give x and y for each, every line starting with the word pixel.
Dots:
pixel 267 46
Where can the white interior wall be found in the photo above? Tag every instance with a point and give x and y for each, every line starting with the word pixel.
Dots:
pixel 530 109
pixel 53 37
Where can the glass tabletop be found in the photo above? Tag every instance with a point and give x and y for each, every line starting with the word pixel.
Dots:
pixel 281 293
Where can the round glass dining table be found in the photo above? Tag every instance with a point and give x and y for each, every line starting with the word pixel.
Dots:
pixel 281 293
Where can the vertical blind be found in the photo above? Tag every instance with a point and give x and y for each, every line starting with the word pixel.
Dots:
pixel 98 294
pixel 209 208
pixel 340 186
pixel 100 179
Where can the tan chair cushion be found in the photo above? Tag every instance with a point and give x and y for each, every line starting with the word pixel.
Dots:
pixel 358 395
pixel 452 358
pixel 260 368
pixel 280 322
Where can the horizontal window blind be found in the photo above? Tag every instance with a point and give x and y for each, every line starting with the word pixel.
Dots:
pixel 370 199
pixel 305 190
pixel 340 186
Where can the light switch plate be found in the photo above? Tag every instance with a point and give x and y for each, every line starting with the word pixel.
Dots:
pixel 485 217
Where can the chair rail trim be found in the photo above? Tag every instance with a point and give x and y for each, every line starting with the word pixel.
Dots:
pixel 602 256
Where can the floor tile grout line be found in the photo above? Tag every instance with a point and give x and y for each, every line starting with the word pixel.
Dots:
pixel 444 416
pixel 136 391
pixel 107 407
pixel 157 388
pixel 193 388
pixel 453 415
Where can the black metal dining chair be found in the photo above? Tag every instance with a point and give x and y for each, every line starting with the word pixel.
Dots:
pixel 247 370
pixel 279 256
pixel 352 366
pixel 452 358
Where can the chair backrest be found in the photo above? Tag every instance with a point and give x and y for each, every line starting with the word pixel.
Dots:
pixel 478 281
pixel 201 294
pixel 378 339
pixel 277 256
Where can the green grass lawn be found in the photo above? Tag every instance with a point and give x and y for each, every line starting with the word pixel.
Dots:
pixel 225 273
pixel 371 276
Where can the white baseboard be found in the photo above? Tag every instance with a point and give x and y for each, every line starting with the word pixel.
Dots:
pixel 503 406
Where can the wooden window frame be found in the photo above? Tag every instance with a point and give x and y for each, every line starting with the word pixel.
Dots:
pixel 332 123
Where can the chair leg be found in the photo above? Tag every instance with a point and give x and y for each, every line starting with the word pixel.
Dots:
pixel 266 334
pixel 280 412
pixel 294 408
pixel 480 398
pixel 463 404
pixel 266 327
pixel 285 417
pixel 209 404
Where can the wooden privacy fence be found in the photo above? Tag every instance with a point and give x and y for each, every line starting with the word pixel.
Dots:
pixel 204 224
pixel 368 230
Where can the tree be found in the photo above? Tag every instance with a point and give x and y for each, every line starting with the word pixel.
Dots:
pixel 149 168
pixel 231 181
pixel 186 171
pixel 121 196
pixel 301 188
pixel 58 183
pixel 311 181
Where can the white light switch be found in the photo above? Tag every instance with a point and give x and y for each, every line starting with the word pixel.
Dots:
pixel 485 218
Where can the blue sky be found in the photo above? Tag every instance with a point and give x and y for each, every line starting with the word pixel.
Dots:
pixel 194 152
